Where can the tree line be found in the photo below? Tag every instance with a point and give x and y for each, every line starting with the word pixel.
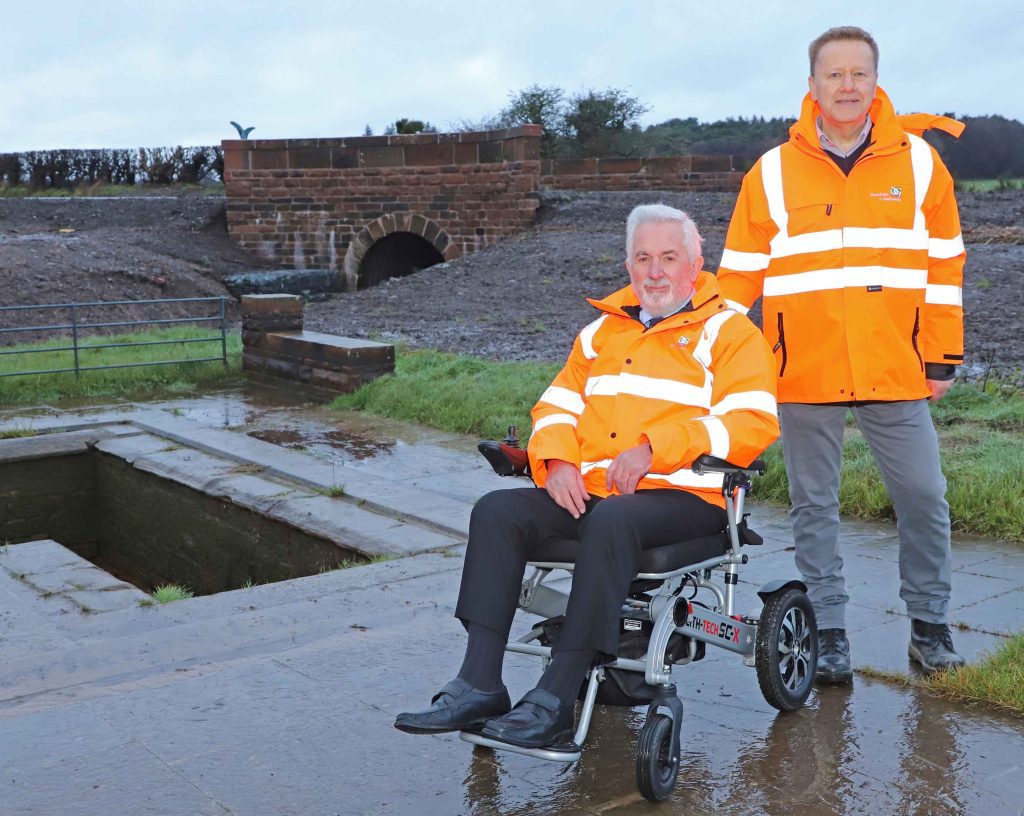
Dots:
pixel 598 123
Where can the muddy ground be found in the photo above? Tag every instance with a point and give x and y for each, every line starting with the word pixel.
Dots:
pixel 520 299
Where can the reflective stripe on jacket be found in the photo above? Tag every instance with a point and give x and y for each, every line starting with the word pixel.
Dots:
pixel 861 274
pixel 700 381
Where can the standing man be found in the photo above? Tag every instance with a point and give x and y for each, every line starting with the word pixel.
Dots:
pixel 851 232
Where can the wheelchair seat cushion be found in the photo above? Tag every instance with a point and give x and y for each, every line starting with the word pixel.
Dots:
pixel 655 560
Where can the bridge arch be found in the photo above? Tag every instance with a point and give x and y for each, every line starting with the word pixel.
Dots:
pixel 395 245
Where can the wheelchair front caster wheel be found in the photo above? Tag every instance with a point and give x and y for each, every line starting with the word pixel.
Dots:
pixel 786 650
pixel 657 759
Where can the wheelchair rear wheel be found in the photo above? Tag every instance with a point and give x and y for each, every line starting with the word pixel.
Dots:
pixel 786 650
pixel 657 759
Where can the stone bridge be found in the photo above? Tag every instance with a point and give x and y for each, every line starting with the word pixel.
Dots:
pixel 372 207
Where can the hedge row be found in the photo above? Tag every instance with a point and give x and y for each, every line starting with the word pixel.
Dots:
pixel 150 165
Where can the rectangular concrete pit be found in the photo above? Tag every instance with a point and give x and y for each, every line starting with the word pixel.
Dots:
pixel 151 530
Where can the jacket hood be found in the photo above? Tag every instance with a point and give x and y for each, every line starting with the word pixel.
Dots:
pixel 706 300
pixel 888 127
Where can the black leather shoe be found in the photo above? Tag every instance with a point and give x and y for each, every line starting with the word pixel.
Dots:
pixel 537 721
pixel 833 657
pixel 931 645
pixel 456 707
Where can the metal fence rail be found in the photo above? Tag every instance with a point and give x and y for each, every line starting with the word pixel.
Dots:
pixel 77 326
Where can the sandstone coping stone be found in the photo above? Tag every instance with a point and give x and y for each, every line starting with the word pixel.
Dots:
pixel 274 312
pixel 55 572
pixel 396 499
pixel 345 522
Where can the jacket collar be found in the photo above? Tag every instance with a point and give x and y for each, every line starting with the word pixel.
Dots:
pixel 888 131
pixel 706 301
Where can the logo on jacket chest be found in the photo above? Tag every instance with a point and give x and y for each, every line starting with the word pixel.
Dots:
pixel 894 193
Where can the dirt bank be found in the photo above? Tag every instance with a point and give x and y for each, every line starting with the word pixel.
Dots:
pixel 520 299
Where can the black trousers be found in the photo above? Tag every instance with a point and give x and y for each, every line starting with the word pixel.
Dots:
pixel 507 526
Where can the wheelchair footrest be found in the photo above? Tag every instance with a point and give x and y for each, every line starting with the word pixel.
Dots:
pixel 566 752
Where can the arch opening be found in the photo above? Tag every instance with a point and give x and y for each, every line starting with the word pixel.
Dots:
pixel 396 255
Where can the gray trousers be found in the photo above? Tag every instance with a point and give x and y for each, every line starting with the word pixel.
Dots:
pixel 906 448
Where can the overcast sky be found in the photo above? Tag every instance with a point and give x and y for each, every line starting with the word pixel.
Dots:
pixel 108 73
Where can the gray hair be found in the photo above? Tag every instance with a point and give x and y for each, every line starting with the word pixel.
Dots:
pixel 659 214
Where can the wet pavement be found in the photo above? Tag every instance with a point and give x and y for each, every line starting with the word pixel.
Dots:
pixel 279 699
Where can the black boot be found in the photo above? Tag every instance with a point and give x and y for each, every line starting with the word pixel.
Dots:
pixel 931 645
pixel 833 657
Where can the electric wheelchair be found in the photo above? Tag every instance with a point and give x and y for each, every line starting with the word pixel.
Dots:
pixel 681 600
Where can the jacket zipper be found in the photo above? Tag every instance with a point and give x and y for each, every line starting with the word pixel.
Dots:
pixel 781 344
pixel 913 336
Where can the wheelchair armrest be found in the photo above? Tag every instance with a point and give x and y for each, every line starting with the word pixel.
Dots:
pixel 706 463
pixel 505 459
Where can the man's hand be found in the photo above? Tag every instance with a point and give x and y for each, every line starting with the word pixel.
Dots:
pixel 629 467
pixel 565 485
pixel 938 388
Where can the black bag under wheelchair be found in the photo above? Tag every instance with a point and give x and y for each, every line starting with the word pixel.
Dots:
pixel 675 607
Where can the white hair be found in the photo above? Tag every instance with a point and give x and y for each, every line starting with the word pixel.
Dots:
pixel 658 214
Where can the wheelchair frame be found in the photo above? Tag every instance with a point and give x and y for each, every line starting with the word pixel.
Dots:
pixel 781 643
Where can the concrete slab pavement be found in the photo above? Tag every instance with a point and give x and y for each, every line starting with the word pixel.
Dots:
pixel 279 699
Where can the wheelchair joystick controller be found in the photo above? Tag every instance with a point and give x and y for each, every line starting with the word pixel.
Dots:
pixel 506 457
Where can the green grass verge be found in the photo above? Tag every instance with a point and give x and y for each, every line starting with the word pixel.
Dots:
pixel 981 435
pixel 981 432
pixel 997 680
pixel 118 382
pixel 989 185
pixel 455 393
pixel 25 191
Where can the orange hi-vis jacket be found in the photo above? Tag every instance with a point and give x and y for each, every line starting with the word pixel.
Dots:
pixel 861 274
pixel 700 381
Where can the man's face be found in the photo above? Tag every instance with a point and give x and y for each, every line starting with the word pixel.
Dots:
pixel 843 82
pixel 659 270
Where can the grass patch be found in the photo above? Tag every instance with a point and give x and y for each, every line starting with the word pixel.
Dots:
pixel 171 592
pixel 16 433
pixel 455 393
pixel 334 491
pixel 998 680
pixel 118 382
pixel 990 185
pixel 981 434
pixel 25 191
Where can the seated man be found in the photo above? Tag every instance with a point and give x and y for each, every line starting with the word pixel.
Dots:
pixel 667 372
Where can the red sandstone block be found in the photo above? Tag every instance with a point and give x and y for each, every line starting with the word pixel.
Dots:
pixel 378 157
pixel 711 163
pixel 609 166
pixel 490 152
pixel 412 138
pixel 366 141
pixel 465 153
pixel 269 159
pixel 530 131
pixel 236 160
pixel 576 167
pixel 666 165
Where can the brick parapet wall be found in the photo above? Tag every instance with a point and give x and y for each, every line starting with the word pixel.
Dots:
pixel 304 201
pixel 675 173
